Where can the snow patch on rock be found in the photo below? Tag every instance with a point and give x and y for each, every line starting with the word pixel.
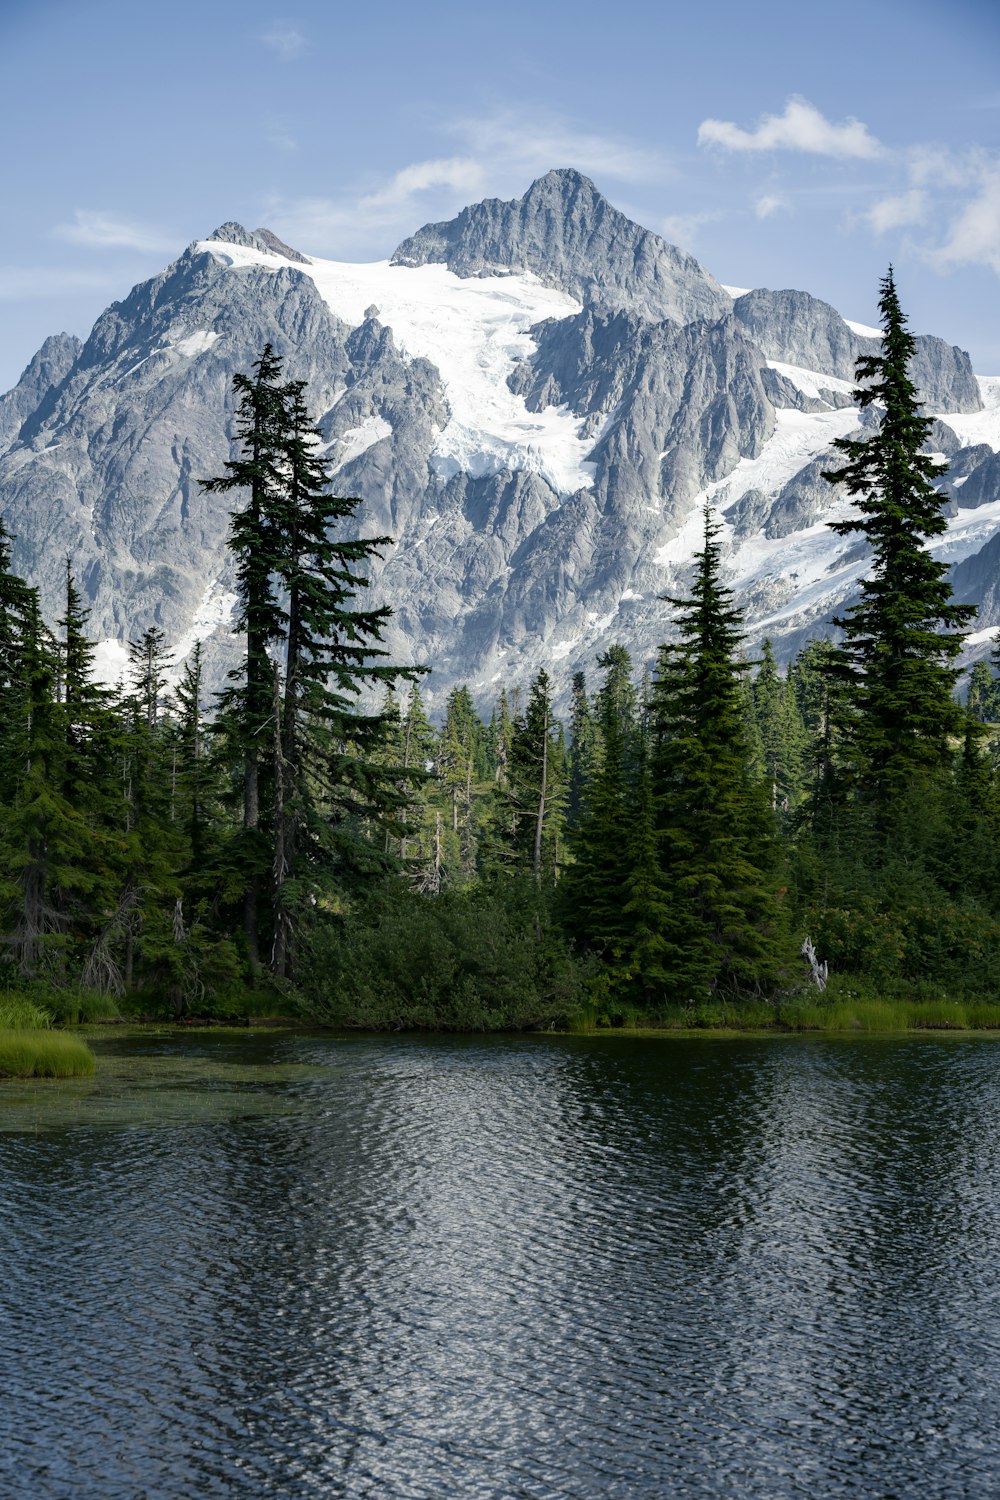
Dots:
pixel 475 331
pixel 196 343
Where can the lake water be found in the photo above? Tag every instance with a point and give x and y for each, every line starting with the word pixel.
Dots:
pixel 244 1265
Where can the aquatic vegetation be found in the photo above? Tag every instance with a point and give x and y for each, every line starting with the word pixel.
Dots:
pixel 40 1053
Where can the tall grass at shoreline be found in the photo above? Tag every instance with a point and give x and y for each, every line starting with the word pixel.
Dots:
pixel 843 1014
pixel 40 1053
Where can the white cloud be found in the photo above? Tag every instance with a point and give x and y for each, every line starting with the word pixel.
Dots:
pixel 510 140
pixel 499 153
pixel 897 211
pixel 383 214
pixel 682 229
pixel 104 231
pixel 459 173
pixel 286 42
pixel 801 128
pixel 771 203
pixel 974 236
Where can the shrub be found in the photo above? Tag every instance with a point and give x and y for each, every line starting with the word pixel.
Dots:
pixel 481 959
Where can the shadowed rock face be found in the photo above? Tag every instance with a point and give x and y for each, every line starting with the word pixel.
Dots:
pixel 801 330
pixel 45 373
pixel 569 236
pixel 664 381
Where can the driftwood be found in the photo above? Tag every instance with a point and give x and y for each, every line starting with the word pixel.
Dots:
pixel 820 971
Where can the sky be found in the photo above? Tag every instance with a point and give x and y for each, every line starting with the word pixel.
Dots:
pixel 784 145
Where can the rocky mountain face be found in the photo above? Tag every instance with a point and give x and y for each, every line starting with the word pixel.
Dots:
pixel 534 400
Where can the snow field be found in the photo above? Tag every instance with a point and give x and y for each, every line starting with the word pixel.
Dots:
pixel 474 331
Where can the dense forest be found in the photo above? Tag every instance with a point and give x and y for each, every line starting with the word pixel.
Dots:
pixel 705 837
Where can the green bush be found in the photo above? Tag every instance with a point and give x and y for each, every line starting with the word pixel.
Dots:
pixel 481 959
pixel 922 943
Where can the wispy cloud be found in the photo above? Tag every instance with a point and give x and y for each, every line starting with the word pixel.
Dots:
pixel 285 41
pixel 459 173
pixel 769 204
pixel 280 137
pixel 974 233
pixel 897 211
pixel 498 153
pixel 683 229
pixel 512 140
pixel 105 231
pixel 800 128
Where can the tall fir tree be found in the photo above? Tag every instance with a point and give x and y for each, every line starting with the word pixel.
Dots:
pixel 718 853
pixel 247 706
pixel 903 636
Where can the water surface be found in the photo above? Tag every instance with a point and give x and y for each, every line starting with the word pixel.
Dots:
pixel 244 1265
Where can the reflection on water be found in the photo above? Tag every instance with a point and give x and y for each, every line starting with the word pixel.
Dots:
pixel 293 1266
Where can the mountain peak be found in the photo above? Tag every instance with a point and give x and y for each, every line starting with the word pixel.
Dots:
pixel 233 233
pixel 565 232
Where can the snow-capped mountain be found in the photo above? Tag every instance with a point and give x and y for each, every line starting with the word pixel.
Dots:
pixel 534 400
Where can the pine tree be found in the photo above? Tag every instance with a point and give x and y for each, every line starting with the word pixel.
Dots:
pixel 192 802
pixel 247 706
pixel 602 868
pixel 781 733
pixel 333 786
pixel 148 663
pixel 583 740
pixel 18 607
pixel 982 702
pixel 903 636
pixel 717 852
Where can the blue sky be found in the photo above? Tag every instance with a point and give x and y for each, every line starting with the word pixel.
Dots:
pixel 785 144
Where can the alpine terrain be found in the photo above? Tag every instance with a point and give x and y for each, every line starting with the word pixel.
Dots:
pixel 534 400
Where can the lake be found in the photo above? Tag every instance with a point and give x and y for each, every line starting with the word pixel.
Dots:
pixel 244 1264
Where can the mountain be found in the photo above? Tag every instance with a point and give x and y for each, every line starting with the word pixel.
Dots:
pixel 534 399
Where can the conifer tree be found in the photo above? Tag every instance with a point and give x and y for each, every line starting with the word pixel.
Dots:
pixel 717 852
pixel 583 740
pixel 782 734
pixel 982 702
pixel 247 705
pixel 601 870
pixel 333 783
pixel 902 637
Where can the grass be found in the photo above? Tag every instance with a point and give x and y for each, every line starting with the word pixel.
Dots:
pixel 841 1010
pixel 18 1013
pixel 40 1053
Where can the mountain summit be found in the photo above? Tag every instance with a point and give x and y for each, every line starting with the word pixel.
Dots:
pixel 569 236
pixel 535 400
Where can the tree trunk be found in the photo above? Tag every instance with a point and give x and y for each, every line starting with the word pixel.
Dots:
pixel 540 820
pixel 279 951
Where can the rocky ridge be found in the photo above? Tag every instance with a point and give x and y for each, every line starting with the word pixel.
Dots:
pixel 534 400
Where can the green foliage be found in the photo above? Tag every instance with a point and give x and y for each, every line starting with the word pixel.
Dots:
pixel 903 636
pixel 722 922
pixel 477 960
pixel 43 1054
pixel 18 1013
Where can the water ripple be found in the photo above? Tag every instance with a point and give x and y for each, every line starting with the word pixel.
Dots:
pixel 538 1268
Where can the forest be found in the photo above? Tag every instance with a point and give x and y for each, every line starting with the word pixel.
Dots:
pixel 708 838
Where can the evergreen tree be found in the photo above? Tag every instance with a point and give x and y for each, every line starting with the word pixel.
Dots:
pixel 248 704
pixel 601 868
pixel 717 853
pixel 903 636
pixel 781 733
pixel 332 786
pixel 982 702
